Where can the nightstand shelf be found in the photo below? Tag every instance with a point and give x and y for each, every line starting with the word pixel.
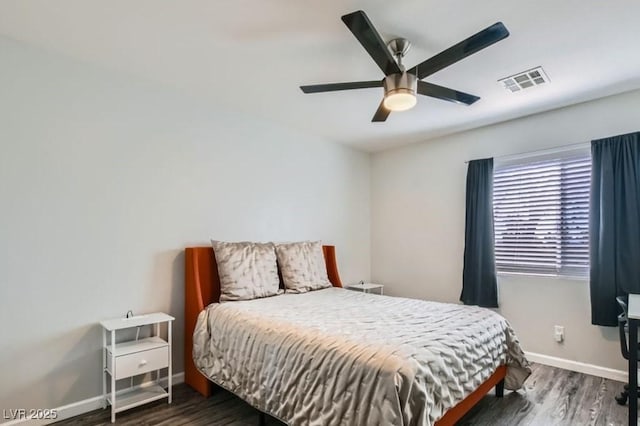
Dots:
pixel 135 397
pixel 367 287
pixel 130 358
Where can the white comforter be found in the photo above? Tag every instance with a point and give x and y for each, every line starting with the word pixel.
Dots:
pixel 339 357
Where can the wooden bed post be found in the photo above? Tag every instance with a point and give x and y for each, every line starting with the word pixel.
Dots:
pixel 332 265
pixel 262 419
pixel 198 293
pixel 500 389
pixel 455 413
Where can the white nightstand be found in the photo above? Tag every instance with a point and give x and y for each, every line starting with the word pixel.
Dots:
pixel 367 287
pixel 130 358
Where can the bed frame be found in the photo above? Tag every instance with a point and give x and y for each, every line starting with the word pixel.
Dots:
pixel 202 287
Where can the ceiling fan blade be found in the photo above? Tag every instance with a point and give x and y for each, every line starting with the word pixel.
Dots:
pixel 365 32
pixel 381 114
pixel 332 87
pixel 455 53
pixel 445 93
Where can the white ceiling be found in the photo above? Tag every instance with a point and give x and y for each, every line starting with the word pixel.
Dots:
pixel 253 54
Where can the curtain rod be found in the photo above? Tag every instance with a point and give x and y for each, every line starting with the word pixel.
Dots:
pixel 559 148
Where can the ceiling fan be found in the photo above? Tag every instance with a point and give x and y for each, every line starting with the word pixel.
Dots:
pixel 401 85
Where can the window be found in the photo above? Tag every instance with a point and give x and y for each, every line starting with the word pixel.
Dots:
pixel 541 216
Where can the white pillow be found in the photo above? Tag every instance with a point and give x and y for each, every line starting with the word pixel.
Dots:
pixel 247 270
pixel 302 266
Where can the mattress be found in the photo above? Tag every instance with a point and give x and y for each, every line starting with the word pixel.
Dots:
pixel 339 357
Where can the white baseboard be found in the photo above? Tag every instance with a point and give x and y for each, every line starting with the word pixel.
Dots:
pixel 81 407
pixel 580 367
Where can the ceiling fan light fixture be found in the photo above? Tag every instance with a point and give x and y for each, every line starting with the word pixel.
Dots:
pixel 400 91
pixel 400 100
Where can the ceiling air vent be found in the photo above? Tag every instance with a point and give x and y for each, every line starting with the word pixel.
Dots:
pixel 524 80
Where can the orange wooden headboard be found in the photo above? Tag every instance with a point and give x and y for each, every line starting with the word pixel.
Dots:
pixel 202 287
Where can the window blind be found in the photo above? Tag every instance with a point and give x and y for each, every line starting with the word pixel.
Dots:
pixel 541 216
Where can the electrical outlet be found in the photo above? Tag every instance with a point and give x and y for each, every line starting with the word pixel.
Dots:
pixel 558 333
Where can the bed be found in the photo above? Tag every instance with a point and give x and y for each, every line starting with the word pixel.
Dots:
pixel 334 356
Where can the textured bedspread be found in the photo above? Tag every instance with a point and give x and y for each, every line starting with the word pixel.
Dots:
pixel 339 357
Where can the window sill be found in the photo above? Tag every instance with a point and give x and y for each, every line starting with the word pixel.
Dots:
pixel 551 277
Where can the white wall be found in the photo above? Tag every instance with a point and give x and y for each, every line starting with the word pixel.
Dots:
pixel 418 204
pixel 104 180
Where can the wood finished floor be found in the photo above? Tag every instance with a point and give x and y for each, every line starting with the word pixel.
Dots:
pixel 552 397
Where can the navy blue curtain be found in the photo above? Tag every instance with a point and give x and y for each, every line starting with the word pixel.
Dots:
pixel 614 224
pixel 479 285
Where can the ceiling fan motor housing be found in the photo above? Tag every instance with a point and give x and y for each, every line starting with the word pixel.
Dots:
pixel 400 83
